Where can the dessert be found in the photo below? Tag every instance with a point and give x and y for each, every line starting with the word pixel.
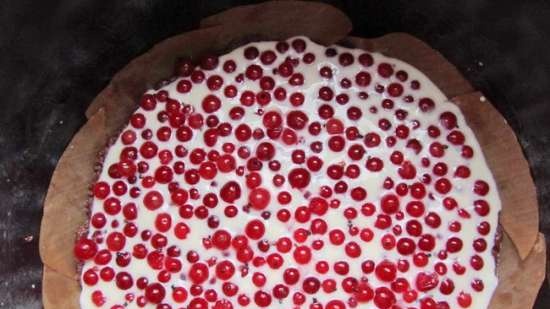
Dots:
pixel 289 174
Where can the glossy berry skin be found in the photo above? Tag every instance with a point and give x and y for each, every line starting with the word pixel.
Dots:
pixel 259 198
pixel 255 229
pixel 85 249
pixel 155 293
pixel 386 271
pixel 299 178
pixel 230 192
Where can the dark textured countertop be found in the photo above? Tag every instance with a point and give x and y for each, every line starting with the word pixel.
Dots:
pixel 56 56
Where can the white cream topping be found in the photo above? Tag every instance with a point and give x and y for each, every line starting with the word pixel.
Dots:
pixel 371 181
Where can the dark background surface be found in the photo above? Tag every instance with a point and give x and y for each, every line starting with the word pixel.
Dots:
pixel 55 56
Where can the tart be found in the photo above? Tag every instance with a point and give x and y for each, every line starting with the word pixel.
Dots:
pixel 290 174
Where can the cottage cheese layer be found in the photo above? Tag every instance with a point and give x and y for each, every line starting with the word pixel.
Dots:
pixel 293 175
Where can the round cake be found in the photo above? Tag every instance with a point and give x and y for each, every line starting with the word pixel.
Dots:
pixel 292 175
